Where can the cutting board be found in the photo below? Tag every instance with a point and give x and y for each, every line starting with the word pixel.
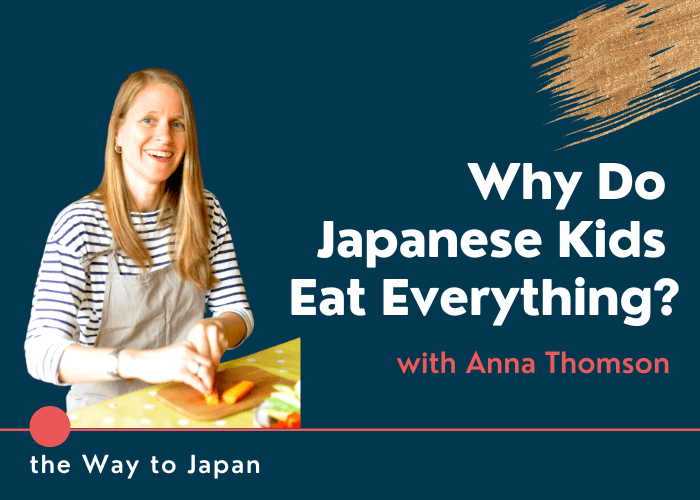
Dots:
pixel 189 402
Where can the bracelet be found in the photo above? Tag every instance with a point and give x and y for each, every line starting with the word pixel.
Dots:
pixel 113 364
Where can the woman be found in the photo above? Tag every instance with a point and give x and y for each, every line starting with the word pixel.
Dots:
pixel 127 271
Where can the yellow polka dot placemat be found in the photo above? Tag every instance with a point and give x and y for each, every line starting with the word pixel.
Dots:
pixel 141 409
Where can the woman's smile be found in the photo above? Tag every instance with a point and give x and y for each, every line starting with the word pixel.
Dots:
pixel 160 156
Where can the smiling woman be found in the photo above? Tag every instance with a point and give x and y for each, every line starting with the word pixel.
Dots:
pixel 128 270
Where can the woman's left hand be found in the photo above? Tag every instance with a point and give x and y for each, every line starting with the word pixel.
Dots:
pixel 212 336
pixel 209 338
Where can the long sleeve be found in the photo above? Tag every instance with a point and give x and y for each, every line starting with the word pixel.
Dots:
pixel 67 303
pixel 58 295
pixel 229 294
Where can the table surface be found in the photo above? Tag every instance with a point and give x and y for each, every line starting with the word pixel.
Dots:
pixel 141 409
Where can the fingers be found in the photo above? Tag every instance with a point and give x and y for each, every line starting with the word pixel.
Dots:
pixel 197 371
pixel 209 339
pixel 216 339
pixel 196 383
pixel 200 341
pixel 193 367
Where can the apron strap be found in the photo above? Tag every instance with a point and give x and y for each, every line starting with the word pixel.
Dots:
pixel 111 252
pixel 112 256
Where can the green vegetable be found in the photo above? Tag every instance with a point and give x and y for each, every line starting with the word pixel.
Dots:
pixel 285 389
pixel 283 402
pixel 279 405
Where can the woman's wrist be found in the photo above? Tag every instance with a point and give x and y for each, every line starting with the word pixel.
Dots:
pixel 234 329
pixel 129 361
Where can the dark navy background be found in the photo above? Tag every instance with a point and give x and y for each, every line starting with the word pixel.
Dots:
pixel 367 115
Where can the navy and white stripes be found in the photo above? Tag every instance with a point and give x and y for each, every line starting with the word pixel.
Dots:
pixel 68 298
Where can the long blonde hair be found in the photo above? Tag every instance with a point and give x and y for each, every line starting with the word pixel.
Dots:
pixel 183 203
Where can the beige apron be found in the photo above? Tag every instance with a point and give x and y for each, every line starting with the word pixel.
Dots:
pixel 145 311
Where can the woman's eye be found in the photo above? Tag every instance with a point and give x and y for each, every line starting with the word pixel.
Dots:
pixel 147 120
pixel 179 125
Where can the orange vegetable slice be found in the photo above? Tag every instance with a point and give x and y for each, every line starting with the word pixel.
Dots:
pixel 236 392
pixel 293 421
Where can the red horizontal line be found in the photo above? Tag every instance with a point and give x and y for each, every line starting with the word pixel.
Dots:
pixel 409 430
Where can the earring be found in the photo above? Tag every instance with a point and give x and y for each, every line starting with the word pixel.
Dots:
pixel 118 149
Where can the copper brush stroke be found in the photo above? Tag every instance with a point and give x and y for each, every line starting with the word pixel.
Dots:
pixel 612 66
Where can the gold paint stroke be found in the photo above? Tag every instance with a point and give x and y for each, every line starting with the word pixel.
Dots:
pixel 612 66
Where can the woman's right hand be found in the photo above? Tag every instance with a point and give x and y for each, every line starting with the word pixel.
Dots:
pixel 176 363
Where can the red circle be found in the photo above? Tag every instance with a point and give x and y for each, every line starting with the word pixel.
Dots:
pixel 49 426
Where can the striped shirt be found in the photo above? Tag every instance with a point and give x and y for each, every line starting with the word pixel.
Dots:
pixel 68 298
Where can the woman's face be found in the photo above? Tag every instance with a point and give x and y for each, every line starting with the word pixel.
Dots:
pixel 152 137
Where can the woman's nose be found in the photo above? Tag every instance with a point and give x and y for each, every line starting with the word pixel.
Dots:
pixel 163 132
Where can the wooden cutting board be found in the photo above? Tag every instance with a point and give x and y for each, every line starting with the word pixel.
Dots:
pixel 189 402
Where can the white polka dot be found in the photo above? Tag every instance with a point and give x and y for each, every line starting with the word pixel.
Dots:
pixel 183 422
pixel 251 360
pixel 284 370
pixel 151 393
pixel 149 407
pixel 72 416
pixel 145 421
pixel 114 405
pixel 108 420
pixel 278 351
pixel 281 361
pixel 220 422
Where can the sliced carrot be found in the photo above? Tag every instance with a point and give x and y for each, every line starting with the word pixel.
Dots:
pixel 293 421
pixel 212 399
pixel 237 391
